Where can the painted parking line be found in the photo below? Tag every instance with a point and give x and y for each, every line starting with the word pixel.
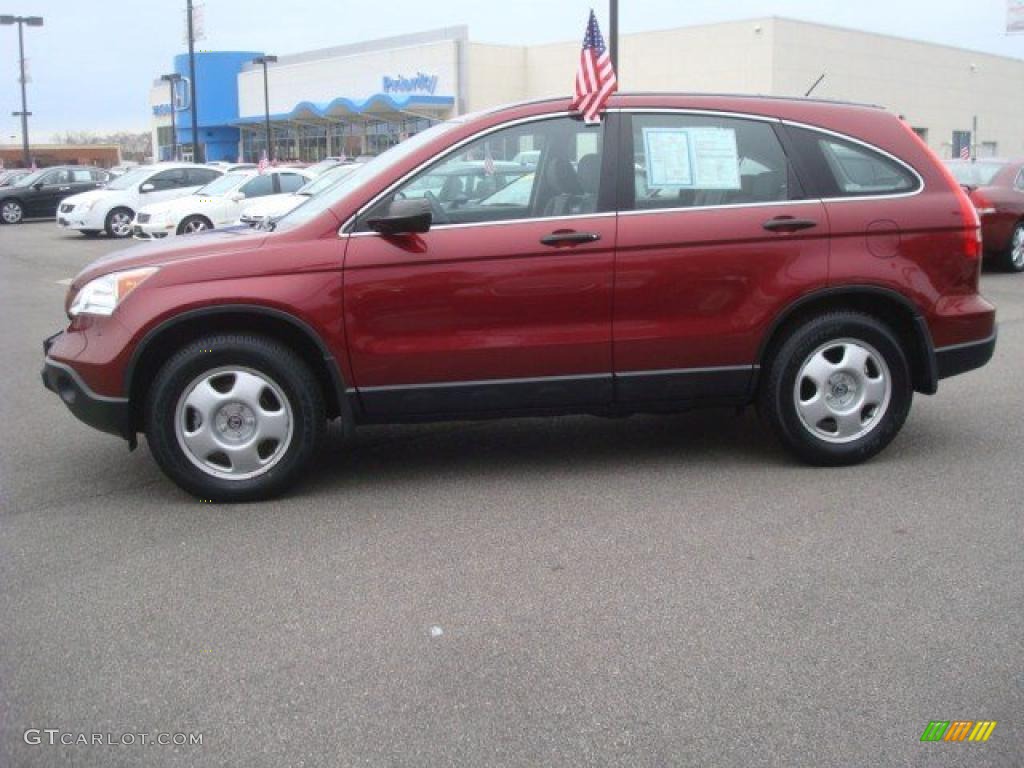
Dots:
pixel 65 281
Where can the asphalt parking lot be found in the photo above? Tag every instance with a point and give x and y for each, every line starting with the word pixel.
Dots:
pixel 652 591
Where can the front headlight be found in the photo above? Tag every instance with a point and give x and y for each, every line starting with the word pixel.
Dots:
pixel 102 295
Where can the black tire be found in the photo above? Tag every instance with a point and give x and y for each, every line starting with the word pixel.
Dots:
pixel 11 211
pixel 115 223
pixel 189 222
pixel 1013 257
pixel 830 335
pixel 264 357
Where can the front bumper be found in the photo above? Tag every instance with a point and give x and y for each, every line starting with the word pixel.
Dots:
pixel 960 358
pixel 107 414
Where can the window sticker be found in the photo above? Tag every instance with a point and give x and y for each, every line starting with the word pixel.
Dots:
pixel 717 158
pixel 667 152
pixel 691 158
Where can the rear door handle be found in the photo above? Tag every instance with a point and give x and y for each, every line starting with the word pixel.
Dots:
pixel 789 224
pixel 569 238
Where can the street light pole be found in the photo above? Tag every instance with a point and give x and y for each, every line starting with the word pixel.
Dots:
pixel 197 153
pixel 613 34
pixel 264 60
pixel 172 81
pixel 32 21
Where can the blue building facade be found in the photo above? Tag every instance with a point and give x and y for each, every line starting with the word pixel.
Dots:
pixel 216 108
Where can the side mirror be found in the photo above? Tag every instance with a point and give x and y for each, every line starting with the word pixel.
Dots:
pixel 37 186
pixel 238 196
pixel 147 187
pixel 403 217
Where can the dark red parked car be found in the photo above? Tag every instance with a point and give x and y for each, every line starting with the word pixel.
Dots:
pixel 813 258
pixel 996 188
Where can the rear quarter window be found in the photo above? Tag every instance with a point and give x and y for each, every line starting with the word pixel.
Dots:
pixel 837 167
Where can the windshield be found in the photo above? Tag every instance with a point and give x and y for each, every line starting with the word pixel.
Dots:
pixel 222 185
pixel 376 166
pixel 130 179
pixel 975 174
pixel 32 178
pixel 326 180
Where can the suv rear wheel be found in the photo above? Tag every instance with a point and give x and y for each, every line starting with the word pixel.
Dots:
pixel 234 417
pixel 838 389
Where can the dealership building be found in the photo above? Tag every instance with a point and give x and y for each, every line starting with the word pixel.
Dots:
pixel 362 98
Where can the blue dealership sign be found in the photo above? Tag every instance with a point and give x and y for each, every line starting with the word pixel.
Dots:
pixel 421 83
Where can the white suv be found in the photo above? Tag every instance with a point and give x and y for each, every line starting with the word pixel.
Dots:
pixel 113 207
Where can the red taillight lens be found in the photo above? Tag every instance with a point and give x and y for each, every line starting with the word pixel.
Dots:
pixel 969 214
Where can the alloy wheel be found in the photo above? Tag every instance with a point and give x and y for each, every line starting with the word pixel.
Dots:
pixel 842 391
pixel 11 212
pixel 1017 249
pixel 121 224
pixel 194 225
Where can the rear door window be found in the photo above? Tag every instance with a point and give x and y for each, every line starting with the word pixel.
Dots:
pixel 197 177
pixel 259 186
pixel 842 168
pixel 697 161
pixel 290 182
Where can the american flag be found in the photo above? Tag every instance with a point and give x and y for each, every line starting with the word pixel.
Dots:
pixel 965 152
pixel 488 161
pixel 263 164
pixel 595 79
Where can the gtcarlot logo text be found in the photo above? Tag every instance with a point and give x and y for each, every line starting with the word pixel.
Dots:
pixel 54 736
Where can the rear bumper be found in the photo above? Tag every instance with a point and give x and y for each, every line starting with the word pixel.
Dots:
pixel 961 358
pixel 107 414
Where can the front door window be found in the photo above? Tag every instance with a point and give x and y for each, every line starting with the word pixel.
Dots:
pixel 536 170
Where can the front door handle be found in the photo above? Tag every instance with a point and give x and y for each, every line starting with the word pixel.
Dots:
pixel 569 238
pixel 789 224
pixel 63 189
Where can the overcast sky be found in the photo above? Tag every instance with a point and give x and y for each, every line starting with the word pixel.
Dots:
pixel 91 67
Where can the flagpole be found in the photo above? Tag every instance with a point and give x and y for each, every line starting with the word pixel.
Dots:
pixel 613 35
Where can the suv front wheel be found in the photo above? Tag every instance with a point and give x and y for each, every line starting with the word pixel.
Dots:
pixel 838 389
pixel 234 417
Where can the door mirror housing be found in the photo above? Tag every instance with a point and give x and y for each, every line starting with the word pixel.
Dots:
pixel 37 186
pixel 403 217
pixel 147 187
pixel 237 196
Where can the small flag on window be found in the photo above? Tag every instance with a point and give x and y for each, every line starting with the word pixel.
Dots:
pixel 965 152
pixel 595 78
pixel 488 161
pixel 34 167
pixel 263 164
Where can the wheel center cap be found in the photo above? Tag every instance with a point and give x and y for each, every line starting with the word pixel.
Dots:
pixel 235 422
pixel 841 389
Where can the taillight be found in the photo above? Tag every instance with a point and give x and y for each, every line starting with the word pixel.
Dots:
pixel 971 241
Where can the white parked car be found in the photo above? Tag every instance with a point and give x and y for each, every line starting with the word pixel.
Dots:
pixel 113 207
pixel 276 206
pixel 218 204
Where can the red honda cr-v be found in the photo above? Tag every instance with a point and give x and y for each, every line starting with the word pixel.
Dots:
pixel 814 258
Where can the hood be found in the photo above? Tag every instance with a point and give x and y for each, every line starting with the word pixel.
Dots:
pixel 274 205
pixel 179 206
pixel 90 196
pixel 159 253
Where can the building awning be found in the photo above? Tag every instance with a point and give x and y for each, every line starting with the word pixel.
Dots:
pixel 340 108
